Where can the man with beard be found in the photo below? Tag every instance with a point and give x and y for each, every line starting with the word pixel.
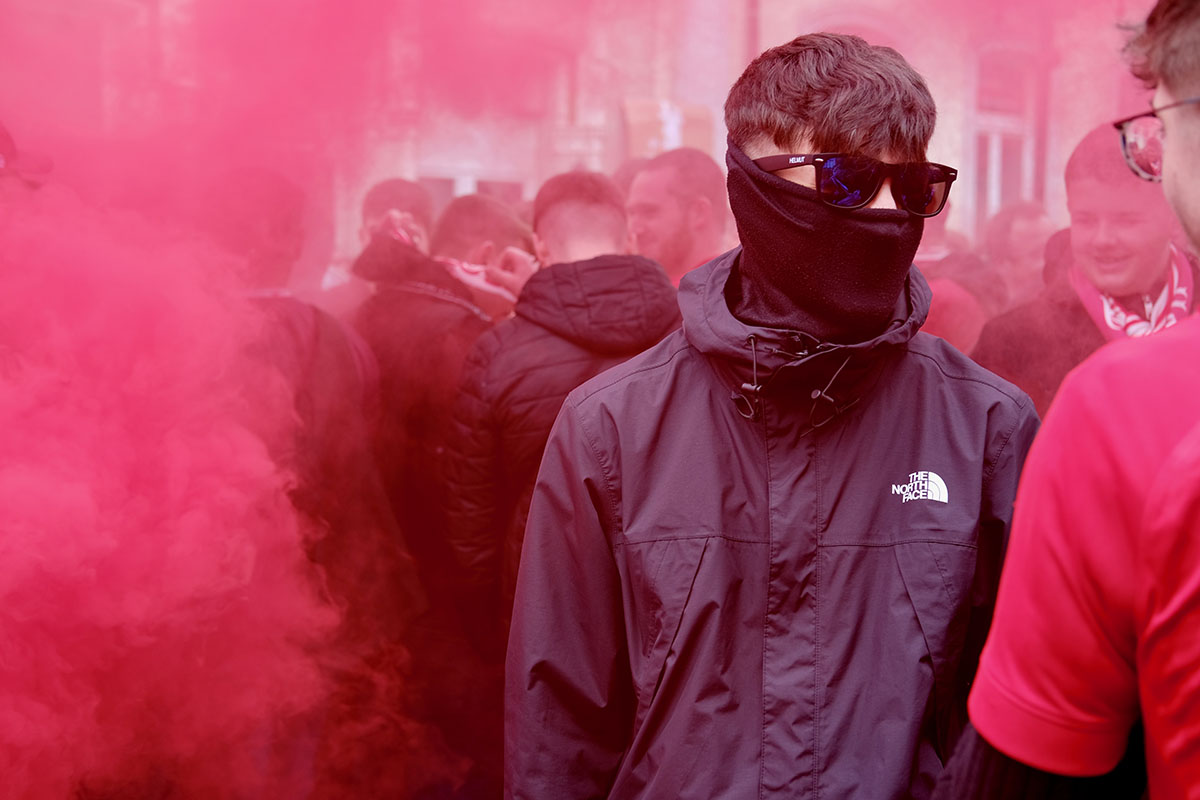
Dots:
pixel 1106 531
pixel 677 210
pixel 761 556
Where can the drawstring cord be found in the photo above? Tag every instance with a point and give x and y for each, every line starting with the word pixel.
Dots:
pixel 749 400
pixel 823 394
pixel 748 408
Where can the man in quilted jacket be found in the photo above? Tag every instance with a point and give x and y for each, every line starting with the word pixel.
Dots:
pixel 591 307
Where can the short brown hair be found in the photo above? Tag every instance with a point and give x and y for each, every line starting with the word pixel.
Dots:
pixel 473 219
pixel 401 195
pixel 579 203
pixel 1166 48
pixel 836 91
pixel 577 188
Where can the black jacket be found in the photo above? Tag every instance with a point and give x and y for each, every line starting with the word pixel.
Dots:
pixel 572 321
pixel 337 484
pixel 758 566
pixel 1036 344
pixel 420 323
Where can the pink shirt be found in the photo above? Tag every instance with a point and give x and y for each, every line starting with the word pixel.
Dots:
pixel 1101 569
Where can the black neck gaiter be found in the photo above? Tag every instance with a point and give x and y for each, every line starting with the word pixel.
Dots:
pixel 833 274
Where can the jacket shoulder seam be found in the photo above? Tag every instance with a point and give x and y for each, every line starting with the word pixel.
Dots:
pixel 1019 399
pixel 623 376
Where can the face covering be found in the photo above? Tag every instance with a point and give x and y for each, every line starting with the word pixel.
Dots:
pixel 830 273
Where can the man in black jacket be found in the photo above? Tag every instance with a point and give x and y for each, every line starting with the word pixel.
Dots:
pixel 592 307
pixel 760 556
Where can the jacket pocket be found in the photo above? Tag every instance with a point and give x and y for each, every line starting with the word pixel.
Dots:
pixel 662 575
pixel 938 578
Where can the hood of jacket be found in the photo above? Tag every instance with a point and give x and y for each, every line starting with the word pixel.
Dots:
pixel 759 361
pixel 387 260
pixel 612 304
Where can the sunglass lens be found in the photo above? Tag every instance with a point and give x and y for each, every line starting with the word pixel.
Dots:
pixel 850 181
pixel 1141 142
pixel 923 189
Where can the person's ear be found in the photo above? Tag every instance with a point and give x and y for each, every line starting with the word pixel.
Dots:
pixel 540 250
pixel 700 213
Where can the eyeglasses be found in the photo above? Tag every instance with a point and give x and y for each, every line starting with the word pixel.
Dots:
pixel 846 181
pixel 1142 140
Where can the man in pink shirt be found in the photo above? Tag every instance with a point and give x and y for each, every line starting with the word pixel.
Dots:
pixel 1095 632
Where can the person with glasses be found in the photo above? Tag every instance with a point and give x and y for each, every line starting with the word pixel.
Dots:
pixel 1127 274
pixel 760 556
pixel 1088 685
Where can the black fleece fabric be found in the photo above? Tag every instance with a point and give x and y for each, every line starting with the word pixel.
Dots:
pixel 572 321
pixel 805 266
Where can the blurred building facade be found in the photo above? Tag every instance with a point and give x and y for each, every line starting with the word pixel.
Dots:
pixel 497 95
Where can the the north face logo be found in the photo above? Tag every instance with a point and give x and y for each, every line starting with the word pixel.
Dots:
pixel 922 486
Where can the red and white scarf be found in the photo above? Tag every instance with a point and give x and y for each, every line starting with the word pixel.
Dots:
pixel 1173 304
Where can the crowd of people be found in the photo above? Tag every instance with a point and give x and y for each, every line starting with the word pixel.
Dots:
pixel 685 482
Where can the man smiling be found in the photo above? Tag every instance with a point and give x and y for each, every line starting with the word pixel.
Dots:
pixel 1129 276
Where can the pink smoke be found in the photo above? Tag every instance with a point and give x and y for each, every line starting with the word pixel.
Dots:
pixel 157 615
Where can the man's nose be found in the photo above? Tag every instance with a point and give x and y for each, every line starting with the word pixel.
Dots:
pixel 1106 233
pixel 883 198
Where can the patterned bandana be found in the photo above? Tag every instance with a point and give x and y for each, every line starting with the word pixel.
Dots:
pixel 1115 321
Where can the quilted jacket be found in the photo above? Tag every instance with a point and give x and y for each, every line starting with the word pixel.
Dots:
pixel 572 321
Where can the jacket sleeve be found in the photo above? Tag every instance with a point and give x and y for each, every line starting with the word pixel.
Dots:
pixel 474 529
pixel 568 694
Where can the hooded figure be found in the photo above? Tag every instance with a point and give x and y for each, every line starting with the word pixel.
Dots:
pixel 593 307
pixel 761 556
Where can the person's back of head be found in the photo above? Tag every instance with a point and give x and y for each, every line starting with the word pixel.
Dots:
pixel 830 259
pixel 1121 225
pixel 677 209
pixel 401 196
pixel 476 228
pixel 258 214
pixel 577 216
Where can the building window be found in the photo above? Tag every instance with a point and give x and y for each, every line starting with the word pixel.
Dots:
pixel 1009 140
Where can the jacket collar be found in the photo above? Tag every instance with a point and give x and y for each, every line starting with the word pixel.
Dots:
pixel 761 362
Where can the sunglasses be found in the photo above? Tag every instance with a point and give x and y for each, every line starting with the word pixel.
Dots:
pixel 846 181
pixel 1142 140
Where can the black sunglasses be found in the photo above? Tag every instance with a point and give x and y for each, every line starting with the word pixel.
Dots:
pixel 847 181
